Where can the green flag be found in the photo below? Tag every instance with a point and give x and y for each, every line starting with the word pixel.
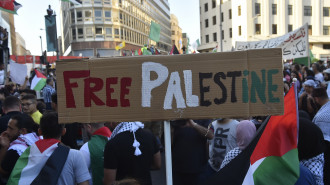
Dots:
pixel 146 52
pixel 304 60
pixel 197 41
pixel 154 31
pixel 136 53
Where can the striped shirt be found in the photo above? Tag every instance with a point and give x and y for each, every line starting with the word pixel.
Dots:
pixel 47 93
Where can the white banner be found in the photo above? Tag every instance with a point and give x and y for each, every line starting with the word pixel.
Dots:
pixel 18 72
pixel 294 44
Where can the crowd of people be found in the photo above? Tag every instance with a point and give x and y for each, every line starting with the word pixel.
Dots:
pixel 36 149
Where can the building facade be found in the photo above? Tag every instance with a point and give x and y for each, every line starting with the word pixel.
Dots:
pixel 254 20
pixel 176 32
pixel 20 45
pixel 7 21
pixel 96 26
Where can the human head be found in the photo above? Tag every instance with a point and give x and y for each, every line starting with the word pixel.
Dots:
pixel 309 74
pixel 50 81
pixel 326 74
pixel 309 86
pixel 310 140
pixel 49 126
pixel 320 95
pixel 295 74
pixel 29 104
pixel 54 102
pixel 11 103
pixel 20 124
pixel 245 132
pixel 92 127
pixel 24 92
pixel 316 68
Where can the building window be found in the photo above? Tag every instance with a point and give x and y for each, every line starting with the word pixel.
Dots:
pixel 99 32
pixel 257 9
pixel 222 34
pixel 72 17
pixel 239 30
pixel 230 32
pixel 206 7
pixel 173 32
pixel 310 30
pixel 206 23
pixel 229 13
pixel 214 3
pixel 214 18
pixel 289 9
pixel 79 16
pixel 258 29
pixel 107 2
pixel 117 33
pixel 207 38
pixel 326 46
pixel 88 15
pixel 307 10
pixel 80 33
pixel 89 33
pixel 239 10
pixel 98 15
pixel 274 9
pixel 326 30
pixel 274 29
pixel 108 32
pixel 222 17
pixel 107 15
pixel 74 34
pixel 215 36
pixel 326 11
pixel 289 27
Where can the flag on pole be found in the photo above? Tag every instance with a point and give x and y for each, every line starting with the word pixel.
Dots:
pixel 174 50
pixel 120 46
pixel 197 41
pixel 76 2
pixel 154 31
pixel 146 52
pixel 272 156
pixel 215 49
pixel 9 6
pixel 136 53
pixel 38 81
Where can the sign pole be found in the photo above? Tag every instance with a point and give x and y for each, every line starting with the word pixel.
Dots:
pixel 168 152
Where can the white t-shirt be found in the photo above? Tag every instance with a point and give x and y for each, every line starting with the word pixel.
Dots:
pixel 2 77
pixel 319 77
pixel 224 140
pixel 84 150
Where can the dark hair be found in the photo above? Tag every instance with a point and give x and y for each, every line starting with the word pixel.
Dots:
pixel 54 98
pixel 30 97
pixel 309 72
pixel 4 92
pixel 28 91
pixel 320 93
pixel 50 127
pixel 11 102
pixel 297 67
pixel 48 80
pixel 297 76
pixel 317 66
pixel 41 106
pixel 25 121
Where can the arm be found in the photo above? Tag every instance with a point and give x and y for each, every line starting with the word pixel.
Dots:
pixel 156 162
pixel 25 82
pixel 4 142
pixel 109 176
pixel 84 183
pixel 208 133
pixel 310 101
pixel 300 100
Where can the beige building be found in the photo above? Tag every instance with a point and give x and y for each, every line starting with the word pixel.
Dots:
pixel 20 45
pixel 96 26
pixel 176 32
pixel 253 20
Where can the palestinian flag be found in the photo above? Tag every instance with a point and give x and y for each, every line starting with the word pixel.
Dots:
pixel 29 165
pixel 38 81
pixel 10 6
pixel 174 50
pixel 272 156
pixel 76 2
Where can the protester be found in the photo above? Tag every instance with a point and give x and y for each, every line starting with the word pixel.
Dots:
pixel 93 150
pixel 311 148
pixel 326 75
pixel 245 132
pixel 11 106
pixel 24 92
pixel 20 134
pixel 131 152
pixel 306 100
pixel 48 90
pixel 29 106
pixel 224 141
pixel 189 152
pixel 66 166
pixel 295 74
pixel 318 74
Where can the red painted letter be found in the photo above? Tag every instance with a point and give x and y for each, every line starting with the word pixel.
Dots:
pixel 124 83
pixel 67 75
pixel 109 91
pixel 89 91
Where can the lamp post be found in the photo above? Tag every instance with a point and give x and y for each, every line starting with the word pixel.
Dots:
pixel 41 51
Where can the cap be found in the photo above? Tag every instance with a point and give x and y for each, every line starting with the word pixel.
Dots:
pixel 310 83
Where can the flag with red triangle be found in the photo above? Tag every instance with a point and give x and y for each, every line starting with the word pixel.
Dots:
pixel 174 50
pixel 10 6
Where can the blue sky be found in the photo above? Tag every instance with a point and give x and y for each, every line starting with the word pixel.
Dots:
pixel 30 19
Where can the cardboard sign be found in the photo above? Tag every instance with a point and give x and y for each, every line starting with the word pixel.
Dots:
pixel 197 86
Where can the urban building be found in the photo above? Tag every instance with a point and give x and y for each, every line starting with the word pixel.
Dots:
pixel 7 21
pixel 185 41
pixel 20 45
pixel 96 26
pixel 176 32
pixel 243 20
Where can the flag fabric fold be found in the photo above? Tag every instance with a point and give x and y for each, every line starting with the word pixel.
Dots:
pixel 271 157
pixel 38 81
pixel 154 33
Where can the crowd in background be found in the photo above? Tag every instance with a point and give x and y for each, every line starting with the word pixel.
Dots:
pixel 124 153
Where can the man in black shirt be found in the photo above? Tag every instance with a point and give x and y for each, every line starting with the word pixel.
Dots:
pixel 11 106
pixel 131 152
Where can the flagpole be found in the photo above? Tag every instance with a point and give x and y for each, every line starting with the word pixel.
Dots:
pixel 168 153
